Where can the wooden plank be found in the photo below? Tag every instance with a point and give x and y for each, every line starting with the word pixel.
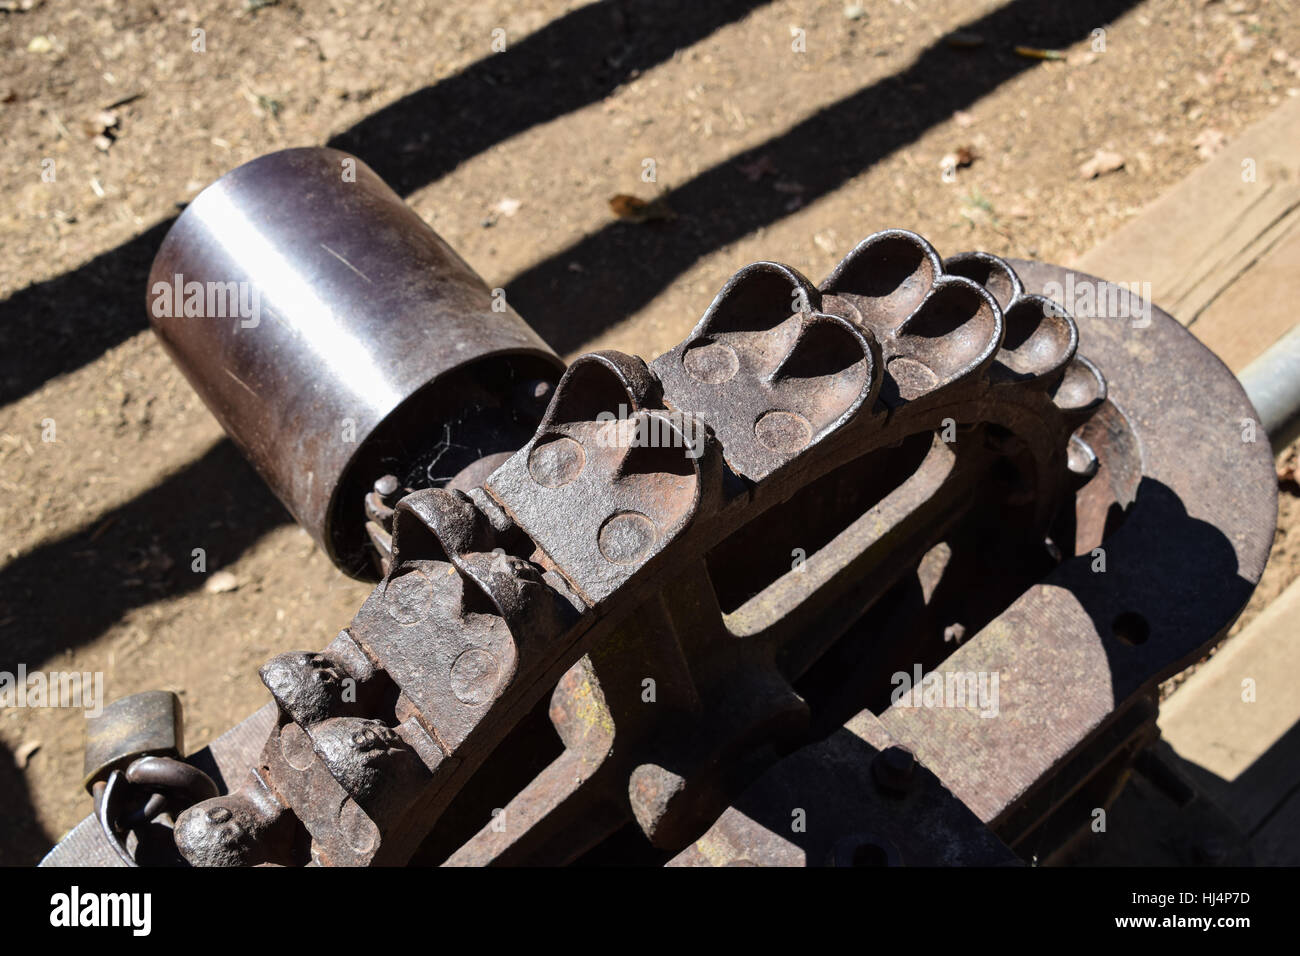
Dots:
pixel 1200 241
pixel 1244 754
pixel 1259 308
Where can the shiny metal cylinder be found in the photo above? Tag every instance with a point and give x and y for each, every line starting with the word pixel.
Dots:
pixel 329 330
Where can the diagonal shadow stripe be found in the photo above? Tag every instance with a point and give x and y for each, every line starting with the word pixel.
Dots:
pixel 56 326
pixel 59 325
pixel 426 135
pixel 70 590
pixel 623 266
pixel 24 840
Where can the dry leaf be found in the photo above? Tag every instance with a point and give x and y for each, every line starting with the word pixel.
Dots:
pixel 959 158
pixel 1035 53
pixel 634 209
pixel 1103 161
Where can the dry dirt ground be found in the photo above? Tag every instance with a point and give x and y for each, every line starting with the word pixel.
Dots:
pixel 761 149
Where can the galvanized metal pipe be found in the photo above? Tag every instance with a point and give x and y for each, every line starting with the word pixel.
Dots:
pixel 1272 383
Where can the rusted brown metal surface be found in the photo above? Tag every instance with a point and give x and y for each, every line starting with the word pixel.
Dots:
pixel 671 625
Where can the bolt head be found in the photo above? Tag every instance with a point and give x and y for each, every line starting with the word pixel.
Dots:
pixel 894 769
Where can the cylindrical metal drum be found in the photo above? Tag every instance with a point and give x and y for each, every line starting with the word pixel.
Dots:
pixel 334 335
